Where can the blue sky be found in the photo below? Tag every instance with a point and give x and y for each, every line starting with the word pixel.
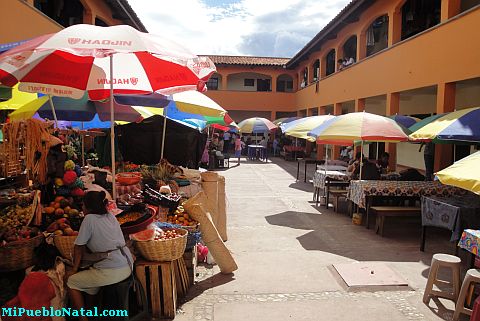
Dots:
pixel 277 28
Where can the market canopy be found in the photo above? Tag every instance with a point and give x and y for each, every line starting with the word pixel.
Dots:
pixel 256 125
pixel 463 173
pixel 19 99
pixel 460 125
pixel 74 110
pixel 359 126
pixel 301 127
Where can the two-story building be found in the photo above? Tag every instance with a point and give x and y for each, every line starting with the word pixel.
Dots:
pixel 410 57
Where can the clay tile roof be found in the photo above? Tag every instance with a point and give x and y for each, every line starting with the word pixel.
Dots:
pixel 246 60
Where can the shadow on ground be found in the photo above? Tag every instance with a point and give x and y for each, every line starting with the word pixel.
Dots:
pixel 334 233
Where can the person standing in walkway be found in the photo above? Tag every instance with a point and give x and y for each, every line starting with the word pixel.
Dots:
pixel 238 149
pixel 226 142
pixel 429 159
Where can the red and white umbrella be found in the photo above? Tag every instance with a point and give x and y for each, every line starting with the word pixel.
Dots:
pixel 103 61
pixel 77 58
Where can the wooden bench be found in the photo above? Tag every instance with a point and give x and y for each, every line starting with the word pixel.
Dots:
pixel 392 211
pixel 336 194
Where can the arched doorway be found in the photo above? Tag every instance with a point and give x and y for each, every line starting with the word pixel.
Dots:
pixel 350 48
pixel 418 16
pixel 330 62
pixel 285 83
pixel 377 35
pixel 305 78
pixel 316 70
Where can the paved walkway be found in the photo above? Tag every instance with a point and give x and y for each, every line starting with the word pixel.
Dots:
pixel 285 247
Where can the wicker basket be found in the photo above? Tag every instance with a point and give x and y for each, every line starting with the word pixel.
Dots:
pixel 65 244
pixel 163 250
pixel 18 255
pixel 209 176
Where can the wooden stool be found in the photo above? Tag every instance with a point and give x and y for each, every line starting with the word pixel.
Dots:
pixel 158 281
pixel 472 276
pixel 448 261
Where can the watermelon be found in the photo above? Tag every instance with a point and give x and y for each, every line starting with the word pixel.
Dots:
pixel 145 235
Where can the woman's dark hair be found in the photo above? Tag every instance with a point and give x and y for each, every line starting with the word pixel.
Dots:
pixel 358 155
pixel 44 257
pixel 95 202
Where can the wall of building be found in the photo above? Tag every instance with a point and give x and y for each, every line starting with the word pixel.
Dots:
pixel 237 81
pixel 467 93
pixel 21 21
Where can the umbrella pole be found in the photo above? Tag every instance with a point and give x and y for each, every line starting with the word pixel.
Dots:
pixel 82 136
pixel 112 131
pixel 163 135
pixel 361 162
pixel 53 110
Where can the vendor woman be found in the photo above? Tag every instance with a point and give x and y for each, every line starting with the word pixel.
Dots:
pixel 99 233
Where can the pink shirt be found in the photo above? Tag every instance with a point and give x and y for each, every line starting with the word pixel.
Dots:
pixel 238 144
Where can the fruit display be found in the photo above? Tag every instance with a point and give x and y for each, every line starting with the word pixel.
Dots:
pixel 62 207
pixel 13 224
pixel 180 217
pixel 61 226
pixel 167 235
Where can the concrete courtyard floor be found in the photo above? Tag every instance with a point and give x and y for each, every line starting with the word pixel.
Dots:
pixel 285 247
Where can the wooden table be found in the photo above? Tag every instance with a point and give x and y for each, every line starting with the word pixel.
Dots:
pixel 308 161
pixel 257 152
pixel 324 179
pixel 452 212
pixel 362 192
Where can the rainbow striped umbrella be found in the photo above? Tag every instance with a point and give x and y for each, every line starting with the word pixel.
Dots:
pixel 460 125
pixel 284 120
pixel 256 125
pixel 301 127
pixel 360 126
pixel 463 174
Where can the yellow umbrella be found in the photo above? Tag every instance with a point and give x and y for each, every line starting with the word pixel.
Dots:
pixel 463 173
pixel 29 109
pixel 19 99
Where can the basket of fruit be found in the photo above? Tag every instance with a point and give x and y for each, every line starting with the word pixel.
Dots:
pixel 18 255
pixel 17 240
pixel 166 246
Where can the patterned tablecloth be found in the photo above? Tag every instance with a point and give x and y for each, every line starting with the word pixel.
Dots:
pixel 454 213
pixel 469 241
pixel 320 176
pixel 359 190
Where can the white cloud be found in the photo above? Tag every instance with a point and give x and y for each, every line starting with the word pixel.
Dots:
pixel 238 27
